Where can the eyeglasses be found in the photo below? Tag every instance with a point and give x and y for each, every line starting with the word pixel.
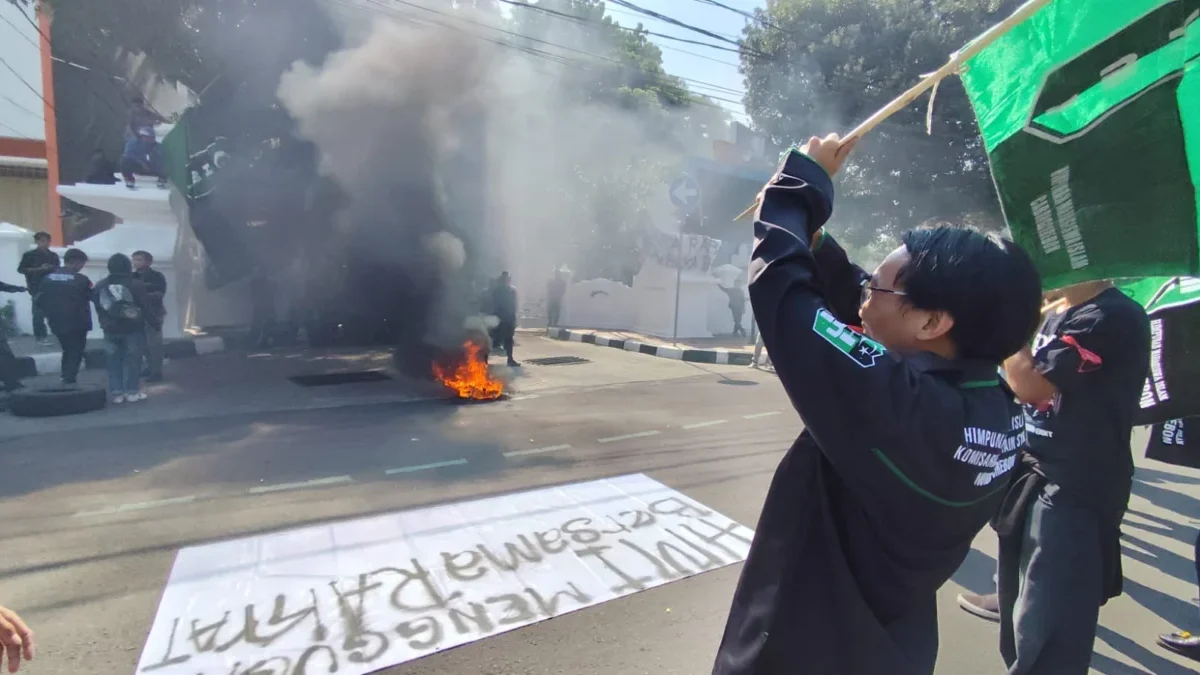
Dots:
pixel 868 289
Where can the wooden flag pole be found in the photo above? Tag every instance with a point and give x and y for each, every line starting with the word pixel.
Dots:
pixel 929 81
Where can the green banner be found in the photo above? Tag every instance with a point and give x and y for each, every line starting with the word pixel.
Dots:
pixel 1090 113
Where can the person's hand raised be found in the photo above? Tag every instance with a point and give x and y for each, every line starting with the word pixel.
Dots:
pixel 829 152
pixel 16 640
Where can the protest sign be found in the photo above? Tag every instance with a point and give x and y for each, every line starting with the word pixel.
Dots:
pixel 357 596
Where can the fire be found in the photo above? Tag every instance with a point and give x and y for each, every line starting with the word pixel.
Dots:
pixel 467 375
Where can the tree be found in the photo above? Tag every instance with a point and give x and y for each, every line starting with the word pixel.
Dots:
pixel 825 65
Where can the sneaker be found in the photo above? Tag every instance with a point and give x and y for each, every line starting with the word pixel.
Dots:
pixel 161 183
pixel 982 606
pixel 513 364
pixel 118 398
pixel 134 398
pixel 131 185
pixel 1182 643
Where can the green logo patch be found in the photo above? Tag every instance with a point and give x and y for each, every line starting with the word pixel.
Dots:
pixel 857 347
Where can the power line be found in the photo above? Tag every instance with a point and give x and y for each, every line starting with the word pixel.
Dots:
pixel 557 58
pixel 24 82
pixel 675 22
pixel 741 12
pixel 585 22
pixel 18 105
pixel 18 133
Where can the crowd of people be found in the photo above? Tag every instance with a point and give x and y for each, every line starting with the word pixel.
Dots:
pixel 129 305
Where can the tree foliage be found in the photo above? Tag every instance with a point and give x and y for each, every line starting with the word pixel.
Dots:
pixel 826 65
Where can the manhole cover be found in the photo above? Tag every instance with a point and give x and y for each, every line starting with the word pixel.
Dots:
pixel 557 361
pixel 325 379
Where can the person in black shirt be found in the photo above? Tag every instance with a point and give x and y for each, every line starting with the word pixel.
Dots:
pixel 66 300
pixel 556 289
pixel 35 265
pixel 504 304
pixel 156 290
pixel 1060 554
pixel 909 435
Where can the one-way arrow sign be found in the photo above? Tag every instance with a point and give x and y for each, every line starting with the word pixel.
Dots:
pixel 685 193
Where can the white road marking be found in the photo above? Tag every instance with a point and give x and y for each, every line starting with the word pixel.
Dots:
pixel 701 425
pixel 526 397
pixel 625 437
pixel 138 506
pixel 537 451
pixel 424 467
pixel 756 416
pixel 316 482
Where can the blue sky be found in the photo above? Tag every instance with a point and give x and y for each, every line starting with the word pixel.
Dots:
pixel 711 66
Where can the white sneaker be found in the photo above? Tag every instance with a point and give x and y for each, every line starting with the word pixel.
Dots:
pixel 133 398
pixel 118 398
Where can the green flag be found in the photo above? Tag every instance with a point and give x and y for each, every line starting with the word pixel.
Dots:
pixel 1090 114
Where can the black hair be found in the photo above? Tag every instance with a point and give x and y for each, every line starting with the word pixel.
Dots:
pixel 41 235
pixel 145 254
pixel 73 255
pixel 119 263
pixel 987 284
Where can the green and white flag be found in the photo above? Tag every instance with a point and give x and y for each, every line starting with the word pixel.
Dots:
pixel 1090 114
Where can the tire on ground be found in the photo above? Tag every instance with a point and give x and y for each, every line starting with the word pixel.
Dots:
pixel 54 401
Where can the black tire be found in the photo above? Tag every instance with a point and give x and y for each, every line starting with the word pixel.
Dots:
pixel 55 401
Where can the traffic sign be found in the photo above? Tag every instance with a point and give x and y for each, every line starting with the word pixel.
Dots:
pixel 685 193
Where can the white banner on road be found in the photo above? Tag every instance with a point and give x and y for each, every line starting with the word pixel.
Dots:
pixel 357 596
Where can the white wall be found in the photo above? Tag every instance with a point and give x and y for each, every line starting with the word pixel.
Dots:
pixel 21 107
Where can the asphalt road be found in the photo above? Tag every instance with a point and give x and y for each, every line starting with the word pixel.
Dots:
pixel 90 519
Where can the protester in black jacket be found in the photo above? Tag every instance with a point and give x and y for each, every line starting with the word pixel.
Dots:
pixel 156 290
pixel 65 299
pixel 909 441
pixel 124 308
pixel 35 264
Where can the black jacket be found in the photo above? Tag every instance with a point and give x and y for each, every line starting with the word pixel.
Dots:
pixel 119 325
pixel 65 297
pixel 901 463
pixel 31 263
pixel 156 288
pixel 9 288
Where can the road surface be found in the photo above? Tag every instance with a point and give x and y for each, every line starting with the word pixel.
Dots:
pixel 91 515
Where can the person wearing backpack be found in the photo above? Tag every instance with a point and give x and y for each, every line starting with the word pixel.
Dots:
pixel 124 308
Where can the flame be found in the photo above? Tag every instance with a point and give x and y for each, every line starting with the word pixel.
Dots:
pixel 468 375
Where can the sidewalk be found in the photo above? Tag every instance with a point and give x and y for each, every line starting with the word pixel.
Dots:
pixel 235 383
pixel 38 359
pixel 724 350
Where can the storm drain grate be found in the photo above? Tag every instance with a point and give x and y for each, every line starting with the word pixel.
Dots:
pixel 326 379
pixel 558 361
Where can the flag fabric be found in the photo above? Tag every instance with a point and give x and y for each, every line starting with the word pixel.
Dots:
pixel 1172 388
pixel 1090 115
pixel 1175 442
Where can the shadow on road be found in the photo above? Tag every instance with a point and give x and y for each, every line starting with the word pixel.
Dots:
pixel 975 574
pixel 1155 664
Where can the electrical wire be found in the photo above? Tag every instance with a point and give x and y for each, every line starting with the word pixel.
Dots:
pixel 586 22
pixel 559 46
pixel 741 12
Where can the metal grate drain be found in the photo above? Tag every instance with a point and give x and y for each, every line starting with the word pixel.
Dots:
pixel 558 361
pixel 326 379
